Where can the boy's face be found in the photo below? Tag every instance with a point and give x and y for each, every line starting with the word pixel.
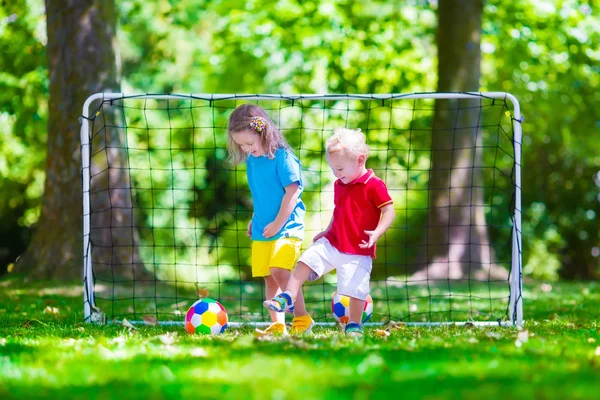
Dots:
pixel 346 168
pixel 249 142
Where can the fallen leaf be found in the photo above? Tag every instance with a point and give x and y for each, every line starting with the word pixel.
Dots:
pixel 493 335
pixel 184 303
pixel 51 310
pixel 150 320
pixel 546 287
pixel 523 336
pixel 128 325
pixel 3 342
pixel 202 292
pixel 381 333
pixel 597 351
pixel 299 343
pixel 168 338
pixel 473 340
pixel 198 352
pixel 260 332
pixel 591 340
pixel 392 326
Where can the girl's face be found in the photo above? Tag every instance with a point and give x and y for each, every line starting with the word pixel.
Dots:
pixel 249 142
pixel 345 168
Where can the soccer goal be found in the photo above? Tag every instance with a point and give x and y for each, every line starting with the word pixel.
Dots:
pixel 165 214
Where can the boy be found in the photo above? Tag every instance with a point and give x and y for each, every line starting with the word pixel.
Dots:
pixel 363 212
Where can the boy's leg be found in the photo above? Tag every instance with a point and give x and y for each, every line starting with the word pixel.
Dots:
pixel 302 322
pixel 286 300
pixel 357 307
pixel 313 264
pixel 354 327
pixel 354 273
pixel 282 277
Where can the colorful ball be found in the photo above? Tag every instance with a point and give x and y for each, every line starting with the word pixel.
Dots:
pixel 206 316
pixel 340 307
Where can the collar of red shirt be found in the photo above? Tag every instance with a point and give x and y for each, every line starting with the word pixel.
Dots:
pixel 361 179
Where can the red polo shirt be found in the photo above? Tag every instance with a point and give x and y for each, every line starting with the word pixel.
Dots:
pixel 357 209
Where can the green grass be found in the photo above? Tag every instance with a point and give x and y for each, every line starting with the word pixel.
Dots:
pixel 53 354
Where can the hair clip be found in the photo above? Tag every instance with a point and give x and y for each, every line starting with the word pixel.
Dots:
pixel 258 124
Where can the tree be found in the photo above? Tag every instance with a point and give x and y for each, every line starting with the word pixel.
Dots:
pixel 457 235
pixel 82 60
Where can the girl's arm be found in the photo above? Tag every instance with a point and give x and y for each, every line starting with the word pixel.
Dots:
pixel 387 217
pixel 288 203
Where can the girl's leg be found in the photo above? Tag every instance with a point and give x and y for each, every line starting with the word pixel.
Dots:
pixel 282 277
pixel 272 290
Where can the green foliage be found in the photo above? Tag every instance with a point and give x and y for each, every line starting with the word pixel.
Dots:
pixel 545 53
pixel 23 116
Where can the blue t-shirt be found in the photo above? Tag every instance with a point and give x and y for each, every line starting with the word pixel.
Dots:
pixel 267 180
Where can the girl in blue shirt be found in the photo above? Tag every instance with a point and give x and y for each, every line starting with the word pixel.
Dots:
pixel 277 225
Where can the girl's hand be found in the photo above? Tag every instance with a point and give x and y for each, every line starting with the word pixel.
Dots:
pixel 373 237
pixel 319 236
pixel 249 231
pixel 271 230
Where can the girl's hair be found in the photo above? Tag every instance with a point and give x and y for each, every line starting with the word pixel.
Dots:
pixel 350 142
pixel 240 120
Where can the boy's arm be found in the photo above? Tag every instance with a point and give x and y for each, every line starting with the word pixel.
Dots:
pixel 323 233
pixel 290 198
pixel 387 217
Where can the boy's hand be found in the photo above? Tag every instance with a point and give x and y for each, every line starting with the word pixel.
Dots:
pixel 249 231
pixel 319 236
pixel 373 237
pixel 271 230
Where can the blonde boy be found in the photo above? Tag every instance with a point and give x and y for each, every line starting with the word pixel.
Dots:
pixel 363 212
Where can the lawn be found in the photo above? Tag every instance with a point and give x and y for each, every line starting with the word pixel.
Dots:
pixel 46 351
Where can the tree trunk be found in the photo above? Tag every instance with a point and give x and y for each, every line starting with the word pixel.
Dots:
pixel 457 236
pixel 82 60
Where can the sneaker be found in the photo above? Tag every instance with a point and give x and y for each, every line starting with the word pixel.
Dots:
pixel 302 325
pixel 280 303
pixel 276 329
pixel 353 330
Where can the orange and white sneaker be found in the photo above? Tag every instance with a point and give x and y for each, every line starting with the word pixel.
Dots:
pixel 302 325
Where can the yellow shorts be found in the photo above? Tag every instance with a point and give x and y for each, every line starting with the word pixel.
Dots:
pixel 281 253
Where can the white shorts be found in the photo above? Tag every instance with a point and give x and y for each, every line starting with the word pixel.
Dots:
pixel 353 271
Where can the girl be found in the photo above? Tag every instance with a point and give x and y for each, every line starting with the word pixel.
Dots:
pixel 277 225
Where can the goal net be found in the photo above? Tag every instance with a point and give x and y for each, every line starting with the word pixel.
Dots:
pixel 165 214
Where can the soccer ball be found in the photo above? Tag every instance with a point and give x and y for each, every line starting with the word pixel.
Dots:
pixel 340 307
pixel 206 316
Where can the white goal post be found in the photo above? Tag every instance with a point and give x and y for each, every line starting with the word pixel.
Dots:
pixel 93 107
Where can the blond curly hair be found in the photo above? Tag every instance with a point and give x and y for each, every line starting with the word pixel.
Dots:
pixel 350 142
